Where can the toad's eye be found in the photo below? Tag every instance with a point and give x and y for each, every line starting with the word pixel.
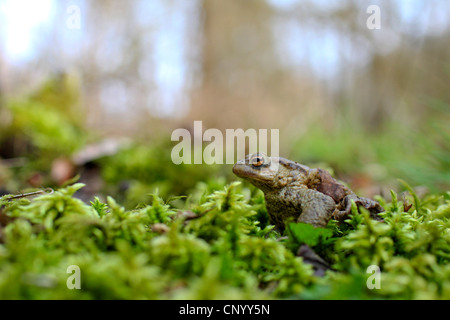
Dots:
pixel 257 161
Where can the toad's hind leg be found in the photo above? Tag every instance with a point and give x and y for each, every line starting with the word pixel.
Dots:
pixel 372 206
pixel 316 207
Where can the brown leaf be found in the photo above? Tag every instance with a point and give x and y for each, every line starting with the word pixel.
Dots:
pixel 320 266
pixel 62 170
pixel 406 206
pixel 187 215
pixel 4 219
pixel 160 228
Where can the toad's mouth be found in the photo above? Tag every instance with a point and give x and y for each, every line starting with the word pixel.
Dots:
pixel 246 171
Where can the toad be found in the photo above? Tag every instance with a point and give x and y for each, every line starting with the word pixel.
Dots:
pixel 296 192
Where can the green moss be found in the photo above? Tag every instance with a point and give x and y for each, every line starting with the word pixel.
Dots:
pixel 220 251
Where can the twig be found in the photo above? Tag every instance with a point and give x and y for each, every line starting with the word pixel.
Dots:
pixel 30 194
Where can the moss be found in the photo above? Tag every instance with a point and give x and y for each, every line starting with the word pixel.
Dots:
pixel 218 251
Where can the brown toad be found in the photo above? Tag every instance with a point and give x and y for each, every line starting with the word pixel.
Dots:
pixel 294 191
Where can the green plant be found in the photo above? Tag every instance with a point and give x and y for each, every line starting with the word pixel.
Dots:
pixel 215 248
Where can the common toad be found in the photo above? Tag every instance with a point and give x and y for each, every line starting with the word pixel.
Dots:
pixel 294 191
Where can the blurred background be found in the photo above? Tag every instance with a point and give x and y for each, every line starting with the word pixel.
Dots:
pixel 92 90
